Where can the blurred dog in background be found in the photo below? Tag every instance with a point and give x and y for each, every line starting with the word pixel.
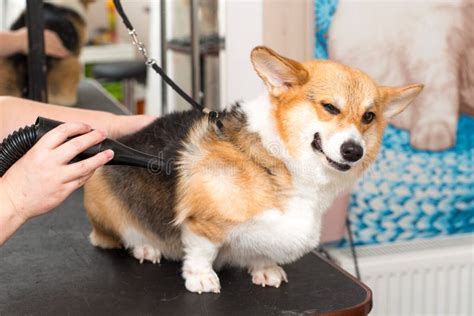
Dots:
pixel 425 41
pixel 67 18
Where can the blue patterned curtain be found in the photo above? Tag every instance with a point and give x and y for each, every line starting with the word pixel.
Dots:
pixel 324 10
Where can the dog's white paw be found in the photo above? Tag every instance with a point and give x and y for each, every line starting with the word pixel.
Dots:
pixel 202 282
pixel 269 276
pixel 147 252
pixel 434 135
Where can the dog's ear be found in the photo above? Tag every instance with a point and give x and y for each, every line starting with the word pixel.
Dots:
pixel 398 98
pixel 279 73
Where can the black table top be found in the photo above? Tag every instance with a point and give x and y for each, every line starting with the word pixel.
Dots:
pixel 49 267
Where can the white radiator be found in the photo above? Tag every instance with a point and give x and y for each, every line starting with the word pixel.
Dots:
pixel 421 277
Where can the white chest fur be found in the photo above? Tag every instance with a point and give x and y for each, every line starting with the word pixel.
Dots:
pixel 281 236
pixel 285 235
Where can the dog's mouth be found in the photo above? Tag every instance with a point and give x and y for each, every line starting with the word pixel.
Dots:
pixel 318 147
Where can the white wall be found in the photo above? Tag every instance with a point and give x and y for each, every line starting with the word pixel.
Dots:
pixel 9 12
pixel 153 95
pixel 243 31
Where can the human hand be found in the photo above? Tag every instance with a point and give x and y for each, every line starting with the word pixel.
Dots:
pixel 42 179
pixel 53 45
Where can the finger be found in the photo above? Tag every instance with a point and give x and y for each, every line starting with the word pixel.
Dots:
pixel 58 51
pixel 84 167
pixel 70 149
pixel 77 183
pixel 60 134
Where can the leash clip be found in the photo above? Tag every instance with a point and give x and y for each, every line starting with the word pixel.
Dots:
pixel 140 46
pixel 214 118
pixel 150 62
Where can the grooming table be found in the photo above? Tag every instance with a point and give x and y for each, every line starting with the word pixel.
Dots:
pixel 50 268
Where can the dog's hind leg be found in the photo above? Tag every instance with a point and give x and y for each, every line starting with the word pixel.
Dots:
pixel 103 240
pixel 113 225
pixel 142 247
pixel 105 232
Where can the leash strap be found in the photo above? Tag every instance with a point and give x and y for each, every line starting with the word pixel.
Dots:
pixel 213 115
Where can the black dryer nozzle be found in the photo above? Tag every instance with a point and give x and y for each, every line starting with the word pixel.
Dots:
pixel 15 145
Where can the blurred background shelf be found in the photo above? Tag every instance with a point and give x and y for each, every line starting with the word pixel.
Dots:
pixel 108 53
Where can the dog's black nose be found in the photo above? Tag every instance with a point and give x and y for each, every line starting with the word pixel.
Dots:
pixel 351 151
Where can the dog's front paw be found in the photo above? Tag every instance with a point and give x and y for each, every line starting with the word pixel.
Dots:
pixel 202 282
pixel 268 276
pixel 147 252
pixel 433 135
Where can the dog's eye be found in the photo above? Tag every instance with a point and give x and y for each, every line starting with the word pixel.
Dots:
pixel 368 117
pixel 331 108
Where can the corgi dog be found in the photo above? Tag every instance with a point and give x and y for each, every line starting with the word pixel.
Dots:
pixel 250 194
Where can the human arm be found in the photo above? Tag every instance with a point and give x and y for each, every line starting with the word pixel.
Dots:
pixel 15 113
pixel 23 193
pixel 10 221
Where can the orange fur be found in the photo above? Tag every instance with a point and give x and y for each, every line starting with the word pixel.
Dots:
pixel 219 171
pixel 215 169
pixel 107 213
pixel 313 83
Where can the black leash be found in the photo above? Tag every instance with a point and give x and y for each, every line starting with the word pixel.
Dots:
pixel 352 246
pixel 213 115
